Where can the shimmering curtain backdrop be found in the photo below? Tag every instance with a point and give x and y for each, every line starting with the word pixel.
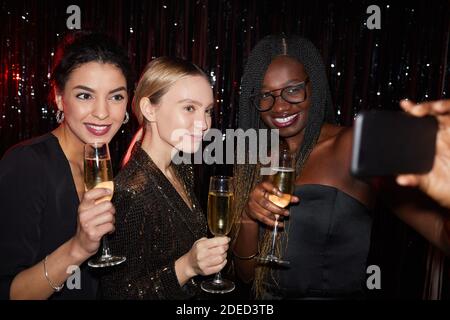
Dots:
pixel 407 57
pixel 367 68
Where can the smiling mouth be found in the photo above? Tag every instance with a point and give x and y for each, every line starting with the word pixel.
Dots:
pixel 98 130
pixel 282 122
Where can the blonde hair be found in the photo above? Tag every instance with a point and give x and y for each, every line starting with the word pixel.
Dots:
pixel 158 77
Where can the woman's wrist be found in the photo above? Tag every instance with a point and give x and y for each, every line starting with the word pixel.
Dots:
pixel 184 270
pixel 77 252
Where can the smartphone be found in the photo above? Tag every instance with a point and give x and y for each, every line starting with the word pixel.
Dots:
pixel 391 143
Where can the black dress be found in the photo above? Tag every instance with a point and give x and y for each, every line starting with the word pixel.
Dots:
pixel 154 227
pixel 327 244
pixel 38 212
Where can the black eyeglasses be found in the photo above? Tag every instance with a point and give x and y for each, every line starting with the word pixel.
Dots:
pixel 291 94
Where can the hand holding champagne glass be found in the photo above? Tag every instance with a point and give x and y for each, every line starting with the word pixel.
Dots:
pixel 282 177
pixel 220 206
pixel 98 174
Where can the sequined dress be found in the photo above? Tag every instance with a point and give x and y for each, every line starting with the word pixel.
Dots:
pixel 154 227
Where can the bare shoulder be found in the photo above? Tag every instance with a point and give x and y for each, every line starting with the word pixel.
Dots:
pixel 329 132
pixel 329 164
pixel 334 143
pixel 345 138
pixel 336 137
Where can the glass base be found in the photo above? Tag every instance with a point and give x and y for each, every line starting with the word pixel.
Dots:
pixel 105 261
pixel 271 259
pixel 214 286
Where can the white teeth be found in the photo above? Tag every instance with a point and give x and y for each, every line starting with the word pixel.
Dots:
pixel 284 120
pixel 96 127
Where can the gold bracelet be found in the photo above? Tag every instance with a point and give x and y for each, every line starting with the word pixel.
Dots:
pixel 245 258
pixel 55 288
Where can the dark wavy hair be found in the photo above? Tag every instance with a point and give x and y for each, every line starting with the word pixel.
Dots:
pixel 80 47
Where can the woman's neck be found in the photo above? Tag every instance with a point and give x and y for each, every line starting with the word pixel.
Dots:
pixel 161 154
pixel 71 145
pixel 158 150
pixel 295 142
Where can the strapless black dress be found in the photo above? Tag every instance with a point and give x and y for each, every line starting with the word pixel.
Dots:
pixel 327 243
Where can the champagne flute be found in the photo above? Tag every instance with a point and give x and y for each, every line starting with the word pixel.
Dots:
pixel 282 177
pixel 220 206
pixel 98 174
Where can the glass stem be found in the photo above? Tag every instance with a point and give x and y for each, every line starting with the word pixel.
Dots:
pixel 274 236
pixel 105 247
pixel 218 278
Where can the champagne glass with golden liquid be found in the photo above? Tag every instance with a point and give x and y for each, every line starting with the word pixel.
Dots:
pixel 282 177
pixel 220 206
pixel 98 174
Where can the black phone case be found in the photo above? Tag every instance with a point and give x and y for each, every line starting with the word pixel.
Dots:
pixel 390 142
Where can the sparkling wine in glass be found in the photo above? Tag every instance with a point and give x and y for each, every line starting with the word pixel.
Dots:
pixel 220 209
pixel 98 174
pixel 283 178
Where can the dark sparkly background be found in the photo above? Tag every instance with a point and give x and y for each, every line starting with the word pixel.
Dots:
pixel 408 57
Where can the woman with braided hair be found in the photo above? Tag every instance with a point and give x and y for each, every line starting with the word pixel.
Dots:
pixel 326 235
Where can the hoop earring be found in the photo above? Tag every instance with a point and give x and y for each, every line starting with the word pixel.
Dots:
pixel 127 118
pixel 59 116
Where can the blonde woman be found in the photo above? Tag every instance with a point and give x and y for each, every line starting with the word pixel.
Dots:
pixel 160 227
